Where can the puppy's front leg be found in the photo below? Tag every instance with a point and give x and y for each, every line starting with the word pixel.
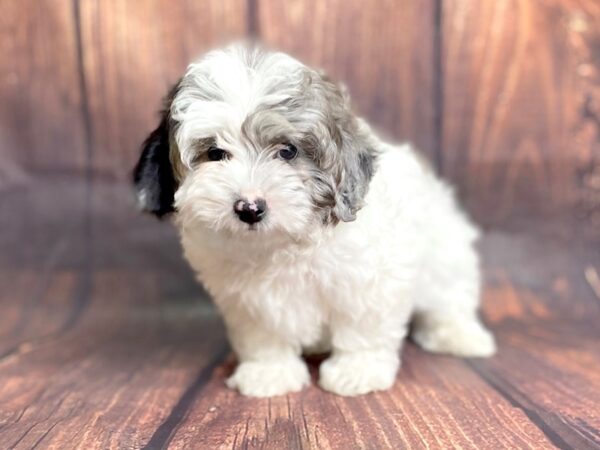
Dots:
pixel 268 365
pixel 366 354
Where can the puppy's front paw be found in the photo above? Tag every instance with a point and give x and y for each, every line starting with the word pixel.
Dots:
pixel 269 378
pixel 359 373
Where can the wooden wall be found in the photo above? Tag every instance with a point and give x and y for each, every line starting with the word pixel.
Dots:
pixel 503 96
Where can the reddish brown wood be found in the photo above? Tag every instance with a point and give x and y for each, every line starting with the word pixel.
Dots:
pixel 40 96
pixel 34 306
pixel 133 53
pixel 114 377
pixel 42 222
pixel 384 54
pixel 107 342
pixel 549 367
pixel 520 116
pixel 436 401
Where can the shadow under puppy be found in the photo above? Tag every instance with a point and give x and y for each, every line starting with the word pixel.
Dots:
pixel 309 232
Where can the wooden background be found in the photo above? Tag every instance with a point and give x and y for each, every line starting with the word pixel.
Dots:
pixel 503 96
pixel 103 342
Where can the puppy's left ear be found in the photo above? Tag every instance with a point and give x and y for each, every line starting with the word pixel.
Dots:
pixel 358 162
pixel 153 175
pixel 355 152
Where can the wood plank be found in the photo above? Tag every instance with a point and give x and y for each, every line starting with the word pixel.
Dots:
pixel 110 381
pixel 521 108
pixel 437 401
pixel 136 370
pixel 133 53
pixel 39 87
pixel 383 53
pixel 551 371
pixel 34 307
pixel 123 358
pixel 539 304
pixel 539 279
pixel 124 238
pixel 43 224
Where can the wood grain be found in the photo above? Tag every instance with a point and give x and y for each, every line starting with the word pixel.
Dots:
pixel 437 401
pixel 40 107
pixel 133 53
pixel 100 384
pixel 520 117
pixel 34 307
pixel 557 376
pixel 135 358
pixel 384 53
pixel 43 224
pixel 106 341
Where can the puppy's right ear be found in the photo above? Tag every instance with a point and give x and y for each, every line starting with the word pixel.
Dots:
pixel 153 175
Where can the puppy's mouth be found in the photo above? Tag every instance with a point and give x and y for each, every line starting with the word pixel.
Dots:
pixel 258 230
pixel 252 228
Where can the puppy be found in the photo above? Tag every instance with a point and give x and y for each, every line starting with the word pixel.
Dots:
pixel 310 233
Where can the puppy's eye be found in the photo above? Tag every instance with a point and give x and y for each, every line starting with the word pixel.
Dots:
pixel 216 154
pixel 288 153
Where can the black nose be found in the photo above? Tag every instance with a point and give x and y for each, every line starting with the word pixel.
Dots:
pixel 250 211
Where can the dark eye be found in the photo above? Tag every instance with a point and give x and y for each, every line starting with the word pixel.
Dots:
pixel 216 154
pixel 288 153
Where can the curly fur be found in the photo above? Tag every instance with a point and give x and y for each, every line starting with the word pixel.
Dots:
pixel 359 239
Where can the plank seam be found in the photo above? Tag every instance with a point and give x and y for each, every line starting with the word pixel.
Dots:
pixel 536 419
pixel 83 293
pixel 252 19
pixel 166 430
pixel 438 85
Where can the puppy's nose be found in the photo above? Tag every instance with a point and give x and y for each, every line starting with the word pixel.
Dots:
pixel 250 211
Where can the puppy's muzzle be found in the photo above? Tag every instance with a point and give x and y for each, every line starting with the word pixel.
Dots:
pixel 250 211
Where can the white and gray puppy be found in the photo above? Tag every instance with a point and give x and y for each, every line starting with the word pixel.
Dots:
pixel 310 233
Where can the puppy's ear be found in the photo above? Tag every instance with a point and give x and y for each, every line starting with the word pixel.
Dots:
pixel 358 166
pixel 153 175
pixel 354 157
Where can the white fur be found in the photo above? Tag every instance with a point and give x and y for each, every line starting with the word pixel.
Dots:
pixel 292 283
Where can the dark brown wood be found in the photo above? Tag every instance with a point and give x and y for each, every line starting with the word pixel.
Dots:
pixel 383 53
pixel 133 53
pixel 40 96
pixel 520 116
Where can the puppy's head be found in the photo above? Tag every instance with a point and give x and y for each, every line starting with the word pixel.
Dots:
pixel 253 142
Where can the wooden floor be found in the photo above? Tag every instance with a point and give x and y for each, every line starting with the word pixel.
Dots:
pixel 106 341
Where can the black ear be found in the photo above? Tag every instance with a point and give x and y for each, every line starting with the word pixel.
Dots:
pixel 153 175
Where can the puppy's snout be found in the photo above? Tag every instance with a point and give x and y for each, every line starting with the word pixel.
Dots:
pixel 250 211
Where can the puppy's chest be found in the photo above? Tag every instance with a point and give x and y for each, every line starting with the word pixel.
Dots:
pixel 296 282
pixel 293 291
pixel 285 296
pixel 285 279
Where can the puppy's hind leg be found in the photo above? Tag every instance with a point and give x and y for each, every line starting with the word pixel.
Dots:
pixel 445 318
pixel 455 333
